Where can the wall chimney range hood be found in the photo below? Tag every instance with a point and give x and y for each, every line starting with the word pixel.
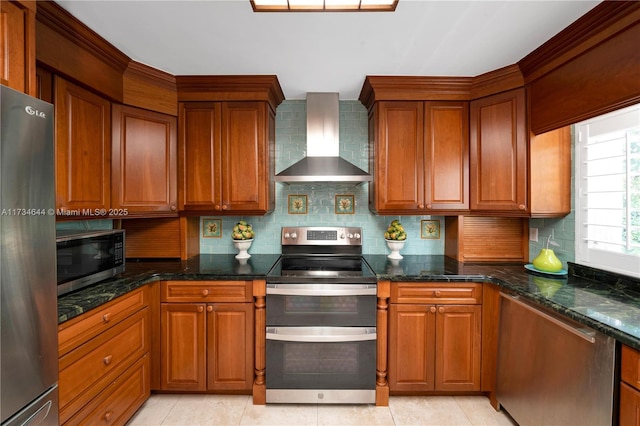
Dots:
pixel 323 162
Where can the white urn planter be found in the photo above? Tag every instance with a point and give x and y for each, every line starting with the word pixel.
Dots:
pixel 242 246
pixel 395 246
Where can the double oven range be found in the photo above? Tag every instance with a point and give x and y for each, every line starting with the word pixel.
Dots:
pixel 321 319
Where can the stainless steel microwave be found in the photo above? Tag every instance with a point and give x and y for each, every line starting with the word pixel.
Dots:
pixel 87 257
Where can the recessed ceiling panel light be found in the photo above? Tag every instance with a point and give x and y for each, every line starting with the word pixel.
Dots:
pixel 323 5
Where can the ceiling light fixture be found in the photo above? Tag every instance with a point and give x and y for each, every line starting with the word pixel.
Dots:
pixel 324 5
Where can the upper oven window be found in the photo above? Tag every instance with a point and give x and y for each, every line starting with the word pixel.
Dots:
pixel 339 311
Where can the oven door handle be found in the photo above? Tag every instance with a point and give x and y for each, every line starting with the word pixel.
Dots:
pixel 321 334
pixel 322 289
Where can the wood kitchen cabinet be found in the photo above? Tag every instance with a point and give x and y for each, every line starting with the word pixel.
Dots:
pixel 18 45
pixel 104 361
pixel 420 157
pixel 513 171
pixel 630 387
pixel 207 336
pixel 144 152
pixel 83 148
pixel 434 337
pixel 498 147
pixel 226 157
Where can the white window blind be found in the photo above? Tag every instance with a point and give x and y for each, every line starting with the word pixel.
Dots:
pixel 608 192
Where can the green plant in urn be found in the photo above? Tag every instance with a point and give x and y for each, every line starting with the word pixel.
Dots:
pixel 242 231
pixel 547 261
pixel 395 231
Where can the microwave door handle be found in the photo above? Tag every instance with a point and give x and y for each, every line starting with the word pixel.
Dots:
pixel 321 334
pixel 322 289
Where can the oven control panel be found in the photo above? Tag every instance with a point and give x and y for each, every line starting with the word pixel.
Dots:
pixel 321 235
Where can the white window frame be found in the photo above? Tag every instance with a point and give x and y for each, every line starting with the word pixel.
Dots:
pixel 627 264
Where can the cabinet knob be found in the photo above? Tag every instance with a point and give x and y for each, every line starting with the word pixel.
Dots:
pixel 108 415
pixel 205 292
pixel 521 207
pixel 173 208
pixel 209 308
pixel 216 207
pixel 438 293
pixel 107 359
pixel 433 309
pixel 441 310
pixel 106 317
pixel 429 206
pixel 421 206
pixel 200 308
pixel 225 207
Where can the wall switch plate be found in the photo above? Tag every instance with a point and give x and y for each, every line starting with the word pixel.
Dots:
pixel 533 234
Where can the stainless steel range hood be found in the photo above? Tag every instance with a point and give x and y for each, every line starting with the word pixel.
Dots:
pixel 323 162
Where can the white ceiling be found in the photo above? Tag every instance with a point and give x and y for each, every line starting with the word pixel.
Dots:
pixel 330 51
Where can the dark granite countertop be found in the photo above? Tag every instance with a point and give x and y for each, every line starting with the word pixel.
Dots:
pixel 606 302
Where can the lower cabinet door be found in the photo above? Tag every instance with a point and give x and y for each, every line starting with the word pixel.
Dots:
pixel 183 343
pixel 230 346
pixel 411 347
pixel 458 347
pixel 629 405
pixel 120 400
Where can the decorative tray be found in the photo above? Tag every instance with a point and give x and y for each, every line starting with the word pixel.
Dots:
pixel 530 267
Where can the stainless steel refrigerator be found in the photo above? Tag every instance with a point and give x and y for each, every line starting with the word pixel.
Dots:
pixel 28 297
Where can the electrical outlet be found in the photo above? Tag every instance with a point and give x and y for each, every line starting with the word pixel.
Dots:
pixel 533 234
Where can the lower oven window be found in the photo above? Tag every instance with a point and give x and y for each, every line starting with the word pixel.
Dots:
pixel 321 365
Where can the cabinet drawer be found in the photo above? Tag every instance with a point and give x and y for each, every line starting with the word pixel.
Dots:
pixel 87 370
pixel 206 291
pixel 75 332
pixel 120 400
pixel 630 366
pixel 629 405
pixel 436 293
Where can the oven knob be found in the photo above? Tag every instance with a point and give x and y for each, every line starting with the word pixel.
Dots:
pixel 342 236
pixel 286 235
pixel 294 235
pixel 350 236
pixel 356 236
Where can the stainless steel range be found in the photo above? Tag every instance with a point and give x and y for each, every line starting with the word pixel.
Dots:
pixel 321 319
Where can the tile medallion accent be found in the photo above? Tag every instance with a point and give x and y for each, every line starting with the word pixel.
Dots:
pixel 298 204
pixel 345 204
pixel 430 229
pixel 212 228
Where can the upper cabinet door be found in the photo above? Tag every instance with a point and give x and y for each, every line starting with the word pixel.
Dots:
pixel 498 150
pixel 245 157
pixel 446 156
pixel 18 45
pixel 200 156
pixel 398 144
pixel 83 148
pixel 144 162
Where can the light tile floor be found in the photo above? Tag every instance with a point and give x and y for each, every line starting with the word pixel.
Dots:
pixel 192 410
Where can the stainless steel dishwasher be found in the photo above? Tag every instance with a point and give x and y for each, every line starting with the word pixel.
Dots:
pixel 551 370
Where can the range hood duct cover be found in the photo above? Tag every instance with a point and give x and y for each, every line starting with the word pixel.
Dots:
pixel 323 162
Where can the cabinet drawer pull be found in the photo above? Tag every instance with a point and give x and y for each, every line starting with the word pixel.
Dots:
pixel 225 207
pixel 108 415
pixel 421 206
pixel 521 207
pixel 429 206
pixel 173 208
pixel 441 310
pixel 106 317
pixel 433 309
pixel 209 308
pixel 205 292
pixel 438 293
pixel 200 308
pixel 107 359
pixel 216 207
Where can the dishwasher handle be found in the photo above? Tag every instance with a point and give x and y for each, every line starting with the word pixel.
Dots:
pixel 583 333
pixel 312 289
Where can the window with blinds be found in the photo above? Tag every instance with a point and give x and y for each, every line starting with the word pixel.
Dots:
pixel 608 191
